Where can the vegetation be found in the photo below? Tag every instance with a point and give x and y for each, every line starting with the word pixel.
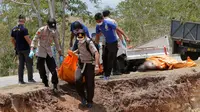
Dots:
pixel 37 12
pixel 145 20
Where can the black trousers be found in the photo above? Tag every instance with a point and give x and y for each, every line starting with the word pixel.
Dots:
pixel 25 59
pixel 116 66
pixel 51 66
pixel 89 82
pixel 109 56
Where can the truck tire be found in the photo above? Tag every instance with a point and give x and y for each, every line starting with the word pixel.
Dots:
pixel 183 57
pixel 194 56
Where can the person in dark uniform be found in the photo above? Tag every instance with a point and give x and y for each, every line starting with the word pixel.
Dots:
pixel 21 41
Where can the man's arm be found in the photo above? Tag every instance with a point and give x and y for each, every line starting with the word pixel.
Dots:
pixel 98 34
pixel 97 38
pixel 97 58
pixel 13 41
pixel 28 40
pixel 119 35
pixel 71 39
pixel 120 31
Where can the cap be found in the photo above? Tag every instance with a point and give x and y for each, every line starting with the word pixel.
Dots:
pixel 77 25
pixel 51 23
pixel 98 16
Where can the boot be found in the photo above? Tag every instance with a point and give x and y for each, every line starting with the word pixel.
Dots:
pixel 46 84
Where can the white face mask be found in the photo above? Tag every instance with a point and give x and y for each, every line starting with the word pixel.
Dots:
pixel 52 30
pixel 82 41
pixel 100 23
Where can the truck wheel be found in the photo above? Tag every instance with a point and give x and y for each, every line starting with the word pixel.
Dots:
pixel 183 57
pixel 194 56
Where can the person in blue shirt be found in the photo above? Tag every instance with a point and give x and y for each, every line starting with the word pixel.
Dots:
pixel 75 28
pixel 21 41
pixel 108 29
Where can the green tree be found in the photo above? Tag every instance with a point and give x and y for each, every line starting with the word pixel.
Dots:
pixel 145 20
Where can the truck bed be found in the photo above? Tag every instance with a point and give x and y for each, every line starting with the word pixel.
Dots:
pixel 158 46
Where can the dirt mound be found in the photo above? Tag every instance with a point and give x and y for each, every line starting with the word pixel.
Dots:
pixel 157 91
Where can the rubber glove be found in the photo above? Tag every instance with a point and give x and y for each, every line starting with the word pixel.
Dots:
pixel 124 42
pixel 31 54
pixel 61 59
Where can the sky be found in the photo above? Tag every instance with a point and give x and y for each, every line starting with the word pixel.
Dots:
pixel 111 3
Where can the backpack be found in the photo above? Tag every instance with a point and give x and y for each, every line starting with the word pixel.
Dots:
pixel 88 49
pixel 93 56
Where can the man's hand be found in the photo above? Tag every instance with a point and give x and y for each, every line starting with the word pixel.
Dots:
pixel 128 39
pixel 96 69
pixel 60 53
pixel 31 54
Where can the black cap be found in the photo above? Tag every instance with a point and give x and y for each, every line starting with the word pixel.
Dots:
pixel 21 17
pixel 106 13
pixel 51 23
pixel 98 16
pixel 77 25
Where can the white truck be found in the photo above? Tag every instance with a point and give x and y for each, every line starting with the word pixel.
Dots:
pixel 130 59
pixel 136 56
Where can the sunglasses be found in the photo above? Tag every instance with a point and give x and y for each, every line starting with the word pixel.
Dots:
pixel 80 35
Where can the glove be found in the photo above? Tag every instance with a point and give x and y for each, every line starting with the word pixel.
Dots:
pixel 31 54
pixel 99 46
pixel 124 43
pixel 61 59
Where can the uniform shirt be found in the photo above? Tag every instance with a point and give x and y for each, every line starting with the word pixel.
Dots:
pixel 113 21
pixel 108 29
pixel 84 54
pixel 84 28
pixel 43 39
pixel 18 33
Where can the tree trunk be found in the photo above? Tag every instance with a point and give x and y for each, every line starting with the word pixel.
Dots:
pixel 63 25
pixel 51 8
pixel 37 12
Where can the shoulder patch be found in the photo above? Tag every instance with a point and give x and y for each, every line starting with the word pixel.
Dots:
pixel 40 30
pixel 38 33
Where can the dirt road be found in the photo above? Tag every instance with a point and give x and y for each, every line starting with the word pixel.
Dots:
pixel 154 91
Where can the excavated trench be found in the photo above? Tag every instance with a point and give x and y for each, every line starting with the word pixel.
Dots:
pixel 155 91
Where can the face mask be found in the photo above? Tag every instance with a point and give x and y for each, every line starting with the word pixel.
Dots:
pixel 52 30
pixel 100 23
pixel 82 41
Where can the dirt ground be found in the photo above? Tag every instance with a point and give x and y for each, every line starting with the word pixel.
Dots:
pixel 154 91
